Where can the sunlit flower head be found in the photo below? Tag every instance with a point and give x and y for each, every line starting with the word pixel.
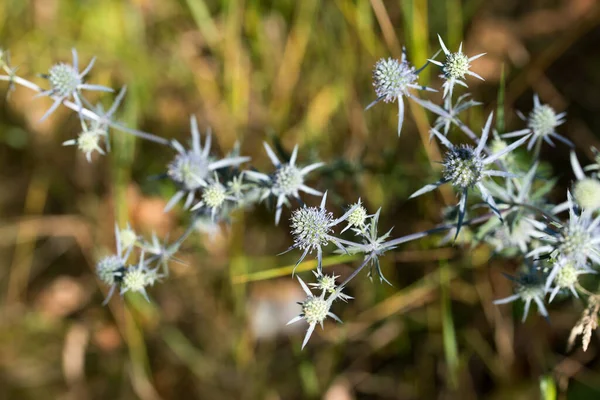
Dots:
pixel 541 124
pixel 312 228
pixel 315 309
pixel 565 275
pixel 286 182
pixel 465 168
pixel 192 169
pixel 578 239
pixel 455 67
pixel 392 80
pixel 66 81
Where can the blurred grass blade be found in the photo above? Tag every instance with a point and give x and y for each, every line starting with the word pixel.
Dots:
pixel 287 270
pixel 500 107
pixel 449 334
pixel 547 388
pixel 204 22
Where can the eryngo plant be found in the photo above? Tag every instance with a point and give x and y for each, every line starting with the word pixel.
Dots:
pixel 557 254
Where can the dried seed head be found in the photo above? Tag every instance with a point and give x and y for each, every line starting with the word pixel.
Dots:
pixel 311 227
pixel 587 193
pixel 288 179
pixel 189 170
pixel 315 309
pixel 214 195
pixel 542 120
pixel 462 167
pixel 64 79
pixel 456 65
pixel 109 269
pixel 391 78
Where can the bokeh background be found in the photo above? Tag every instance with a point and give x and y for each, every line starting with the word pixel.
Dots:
pixel 288 72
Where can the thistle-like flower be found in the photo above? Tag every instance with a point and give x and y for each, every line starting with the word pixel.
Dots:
pixel 327 284
pixel 286 182
pixel 137 278
pixel 586 190
pixel 541 123
pixel 191 169
pixel 111 269
pixel 358 218
pixel 214 197
pixel 312 227
pixel 164 253
pixel 66 81
pixel 578 240
pixel 88 140
pixel 465 168
pixel 392 80
pixel 314 310
pixel 528 287
pixel 565 275
pixel 455 67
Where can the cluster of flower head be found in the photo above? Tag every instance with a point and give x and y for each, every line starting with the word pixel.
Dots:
pixel 521 223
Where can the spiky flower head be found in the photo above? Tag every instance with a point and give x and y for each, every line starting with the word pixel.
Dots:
pixel 392 78
pixel 88 140
pixel 326 283
pixel 543 120
pixel 128 237
pixel 135 280
pixel 110 269
pixel 542 123
pixel 315 309
pixel 192 168
pixel 358 216
pixel 587 193
pixel 529 287
pixel 64 79
pixel 456 65
pixel 578 239
pixel 465 167
pixel 189 170
pixel 214 195
pixel 311 227
pixel 565 275
pixel 462 167
pixel 288 179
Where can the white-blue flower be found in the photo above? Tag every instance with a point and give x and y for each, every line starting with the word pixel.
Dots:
pixel 66 81
pixel 392 80
pixel 455 67
pixel 315 309
pixel 541 124
pixel 465 168
pixel 286 182
pixel 192 169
